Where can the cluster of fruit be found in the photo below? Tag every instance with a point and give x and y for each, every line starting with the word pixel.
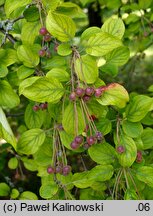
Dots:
pixel 42 106
pixel 46 38
pixel 90 140
pixel 86 93
pixel 63 170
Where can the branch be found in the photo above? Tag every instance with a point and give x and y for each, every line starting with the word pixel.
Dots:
pixel 14 114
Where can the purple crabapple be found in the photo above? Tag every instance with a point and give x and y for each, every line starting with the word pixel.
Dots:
pixel 36 108
pixel 50 170
pixel 89 91
pixel 120 149
pixel 43 31
pixel 72 96
pixel 80 92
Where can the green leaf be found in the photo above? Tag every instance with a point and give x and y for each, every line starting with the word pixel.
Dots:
pixel 145 174
pixel 14 193
pixel 87 178
pixel 13 163
pixel 58 73
pixel 114 26
pixel 102 153
pixel 66 139
pixel 144 4
pixel 118 56
pixel 60 26
pixel 43 155
pixel 44 90
pixel 114 94
pixel 51 5
pixel 139 143
pixel 8 98
pixel 9 57
pixel 147 138
pixel 102 44
pixel 130 194
pixel 9 7
pixel 110 69
pixel 28 195
pixel 127 158
pixel 26 83
pixel 32 118
pixel 104 125
pixel 132 129
pixel 48 190
pixel 82 180
pixel 31 14
pixel 28 54
pixel 138 107
pixel 55 61
pixel 73 122
pixel 30 164
pixel 4 189
pixel 30 141
pixel 3 70
pixel 29 32
pixel 24 72
pixel 64 49
pixel 5 130
pixel 89 32
pixel 86 69
pixel 101 173
pixel 98 110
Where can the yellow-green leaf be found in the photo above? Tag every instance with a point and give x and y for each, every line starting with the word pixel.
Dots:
pixel 102 43
pixel 86 69
pixel 30 141
pixel 114 26
pixel 60 26
pixel 114 94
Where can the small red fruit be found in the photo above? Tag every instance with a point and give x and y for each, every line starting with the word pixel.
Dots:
pixel 91 140
pixel 93 117
pixel 139 157
pixel 36 108
pixel 120 149
pixel 43 31
pixel 74 145
pixel 89 91
pixel 43 106
pixel 50 170
pixel 80 92
pixel 78 139
pixel 47 38
pixel 58 169
pixel 72 96
pixel 98 92
pixel 86 98
pixel 66 170
pixel 99 136
pixel 42 53
pixel 86 146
